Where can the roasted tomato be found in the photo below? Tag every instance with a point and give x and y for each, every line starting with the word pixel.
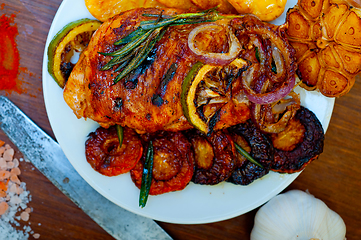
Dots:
pixel 299 144
pixel 250 138
pixel 173 163
pixel 214 157
pixel 103 153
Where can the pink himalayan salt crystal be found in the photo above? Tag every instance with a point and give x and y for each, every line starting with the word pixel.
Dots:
pixel 8 154
pixel 36 235
pixel 15 179
pixel 3 164
pixel 10 165
pixel 15 171
pixel 3 207
pixel 24 216
pixel 4 175
pixel 28 210
pixel 2 150
pixel 16 162
pixel 2 194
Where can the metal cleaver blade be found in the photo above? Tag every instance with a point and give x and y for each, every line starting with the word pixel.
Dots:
pixel 46 155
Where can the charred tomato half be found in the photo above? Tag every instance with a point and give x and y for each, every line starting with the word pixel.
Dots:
pixel 173 163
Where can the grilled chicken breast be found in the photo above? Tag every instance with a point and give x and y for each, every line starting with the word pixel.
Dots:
pixel 148 99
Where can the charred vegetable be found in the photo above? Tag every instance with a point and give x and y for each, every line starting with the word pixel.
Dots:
pixel 248 136
pixel 205 90
pixel 214 157
pixel 104 154
pixel 299 144
pixel 73 37
pixel 173 163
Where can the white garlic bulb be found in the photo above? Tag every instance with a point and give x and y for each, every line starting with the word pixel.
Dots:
pixel 297 215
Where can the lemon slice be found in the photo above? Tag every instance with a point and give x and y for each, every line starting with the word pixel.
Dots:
pixel 73 37
pixel 206 89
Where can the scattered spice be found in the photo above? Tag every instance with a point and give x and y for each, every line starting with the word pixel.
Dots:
pixel 13 197
pixel 9 54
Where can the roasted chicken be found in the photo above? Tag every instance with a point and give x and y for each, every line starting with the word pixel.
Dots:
pixel 246 93
pixel 148 99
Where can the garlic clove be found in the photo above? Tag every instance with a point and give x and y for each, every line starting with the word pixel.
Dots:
pixel 297 215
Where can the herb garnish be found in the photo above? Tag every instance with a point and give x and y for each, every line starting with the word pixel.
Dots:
pixel 120 134
pixel 147 176
pixel 139 43
pixel 245 154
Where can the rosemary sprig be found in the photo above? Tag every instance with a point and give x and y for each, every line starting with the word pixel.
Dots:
pixel 116 60
pixel 147 176
pixel 245 154
pixel 130 45
pixel 131 37
pixel 141 54
pixel 139 43
pixel 120 134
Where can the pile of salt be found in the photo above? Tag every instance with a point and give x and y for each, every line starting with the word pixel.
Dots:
pixel 13 197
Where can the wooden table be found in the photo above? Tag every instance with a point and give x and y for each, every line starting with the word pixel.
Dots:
pixel 335 177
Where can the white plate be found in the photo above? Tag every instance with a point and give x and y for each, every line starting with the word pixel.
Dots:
pixel 196 203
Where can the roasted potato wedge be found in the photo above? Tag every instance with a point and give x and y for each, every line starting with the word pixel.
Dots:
pixel 181 4
pixel 223 5
pixel 105 9
pixel 266 10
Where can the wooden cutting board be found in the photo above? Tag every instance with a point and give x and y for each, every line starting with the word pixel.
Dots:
pixel 335 177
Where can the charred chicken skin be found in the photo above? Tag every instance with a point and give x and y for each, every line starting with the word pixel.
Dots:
pixel 147 99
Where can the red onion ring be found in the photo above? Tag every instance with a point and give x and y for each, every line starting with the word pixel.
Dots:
pixel 268 97
pixel 263 51
pixel 279 63
pixel 210 57
pixel 252 25
pixel 264 115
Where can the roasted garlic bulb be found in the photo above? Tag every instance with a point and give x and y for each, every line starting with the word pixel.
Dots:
pixel 297 215
pixel 326 35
